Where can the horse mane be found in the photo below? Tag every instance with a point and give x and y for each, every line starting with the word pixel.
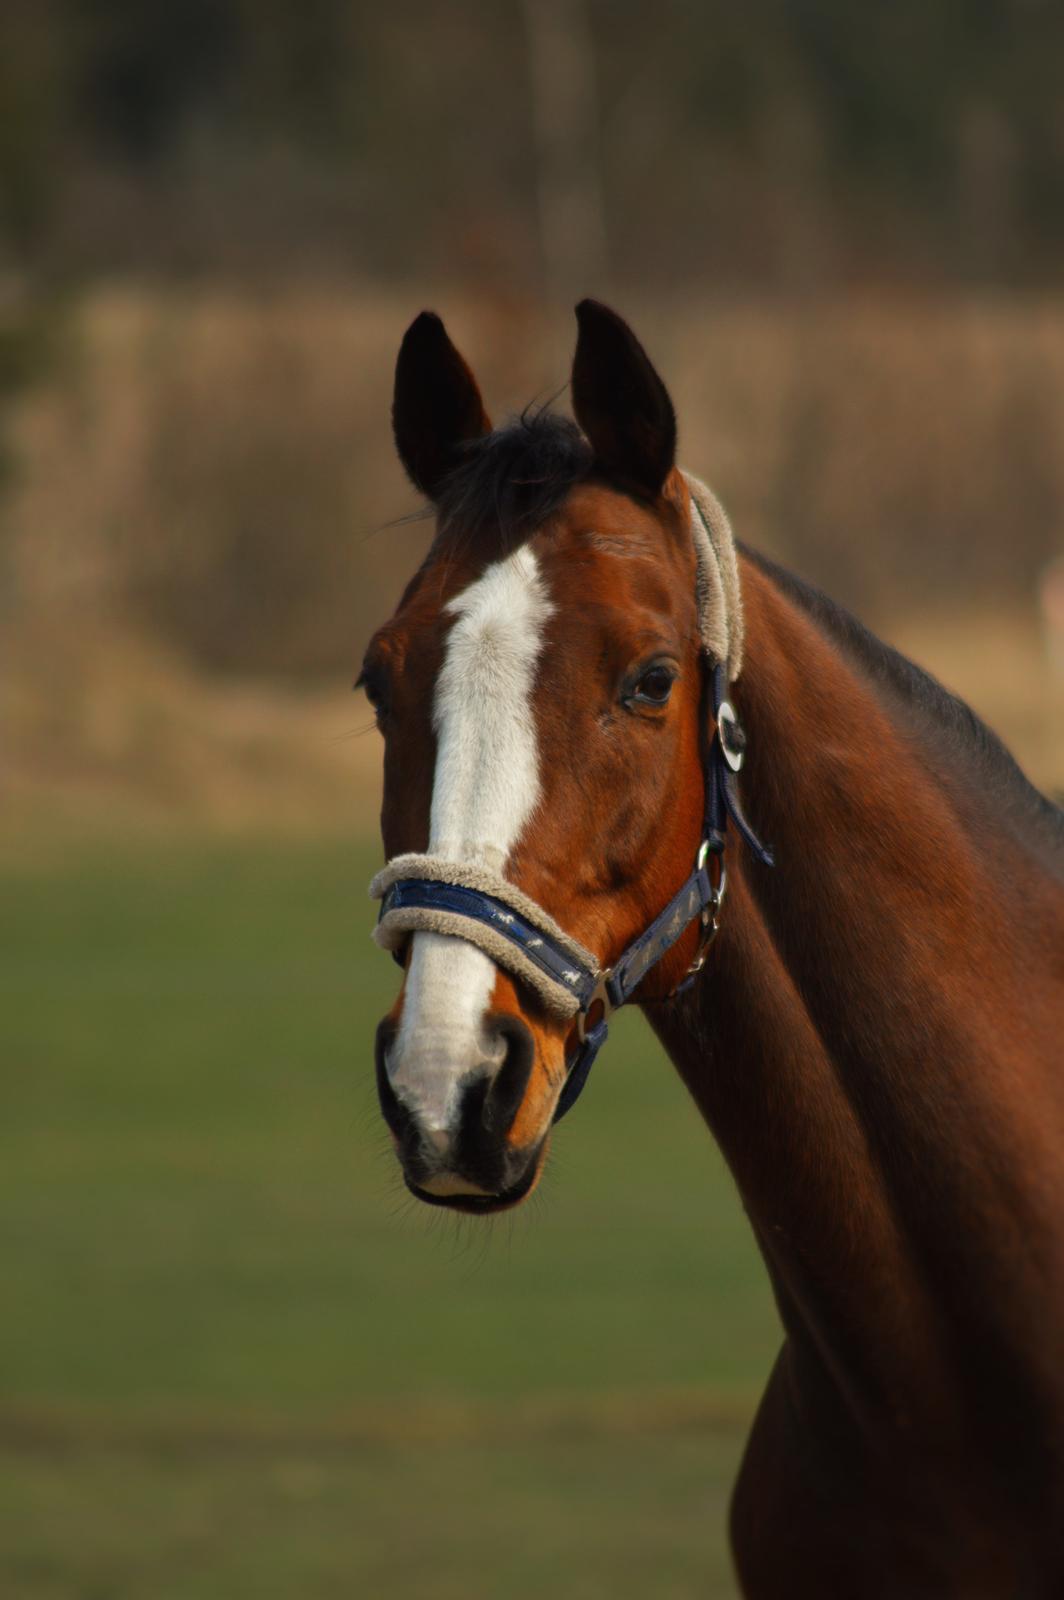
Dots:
pixel 958 734
pixel 508 483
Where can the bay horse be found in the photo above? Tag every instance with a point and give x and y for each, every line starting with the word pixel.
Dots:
pixel 567 692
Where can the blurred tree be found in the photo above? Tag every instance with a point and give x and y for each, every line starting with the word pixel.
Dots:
pixel 32 114
pixel 146 66
pixel 562 73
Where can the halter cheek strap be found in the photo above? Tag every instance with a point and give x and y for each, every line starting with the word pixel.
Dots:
pixel 425 893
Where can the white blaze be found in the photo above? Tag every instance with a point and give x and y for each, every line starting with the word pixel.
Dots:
pixel 485 788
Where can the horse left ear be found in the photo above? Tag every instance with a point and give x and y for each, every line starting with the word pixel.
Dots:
pixel 437 406
pixel 620 402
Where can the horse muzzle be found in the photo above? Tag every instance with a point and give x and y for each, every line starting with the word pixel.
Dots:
pixel 472 1164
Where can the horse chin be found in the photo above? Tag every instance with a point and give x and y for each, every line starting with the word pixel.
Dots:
pixel 451 1193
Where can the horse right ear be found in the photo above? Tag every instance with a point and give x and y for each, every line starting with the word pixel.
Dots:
pixel 620 402
pixel 437 405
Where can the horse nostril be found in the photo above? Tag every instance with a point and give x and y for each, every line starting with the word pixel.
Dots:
pixel 506 1090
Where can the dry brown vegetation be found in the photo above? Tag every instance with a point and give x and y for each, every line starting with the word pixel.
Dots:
pixel 202 531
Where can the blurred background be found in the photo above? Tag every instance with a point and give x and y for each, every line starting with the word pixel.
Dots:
pixel 233 1361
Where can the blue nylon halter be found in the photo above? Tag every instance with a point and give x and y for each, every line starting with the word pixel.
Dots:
pixel 613 987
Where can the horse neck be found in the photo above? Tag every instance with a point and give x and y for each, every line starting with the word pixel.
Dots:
pixel 871 1043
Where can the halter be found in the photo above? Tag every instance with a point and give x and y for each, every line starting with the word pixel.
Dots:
pixel 427 893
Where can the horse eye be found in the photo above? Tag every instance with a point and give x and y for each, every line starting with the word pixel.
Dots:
pixel 373 689
pixel 655 686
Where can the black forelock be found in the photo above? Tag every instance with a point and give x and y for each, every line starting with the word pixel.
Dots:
pixel 508 483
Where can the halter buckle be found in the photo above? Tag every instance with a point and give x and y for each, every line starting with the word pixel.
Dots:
pixel 710 917
pixel 599 995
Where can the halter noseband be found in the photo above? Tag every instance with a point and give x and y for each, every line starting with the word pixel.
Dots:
pixel 427 893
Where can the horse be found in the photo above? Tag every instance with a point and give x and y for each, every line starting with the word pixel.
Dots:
pixel 856 964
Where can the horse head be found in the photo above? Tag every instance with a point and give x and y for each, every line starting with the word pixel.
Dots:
pixel 541 690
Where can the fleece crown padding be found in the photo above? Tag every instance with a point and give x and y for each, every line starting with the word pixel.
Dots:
pixel 720 602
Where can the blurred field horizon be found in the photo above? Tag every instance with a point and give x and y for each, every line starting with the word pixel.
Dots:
pixel 234 1359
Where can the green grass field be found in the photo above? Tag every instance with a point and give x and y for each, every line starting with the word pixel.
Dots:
pixel 236 1361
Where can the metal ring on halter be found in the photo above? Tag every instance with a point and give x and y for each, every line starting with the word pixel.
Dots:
pixel 600 995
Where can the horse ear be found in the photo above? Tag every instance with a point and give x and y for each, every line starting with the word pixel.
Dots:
pixel 620 402
pixel 436 406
